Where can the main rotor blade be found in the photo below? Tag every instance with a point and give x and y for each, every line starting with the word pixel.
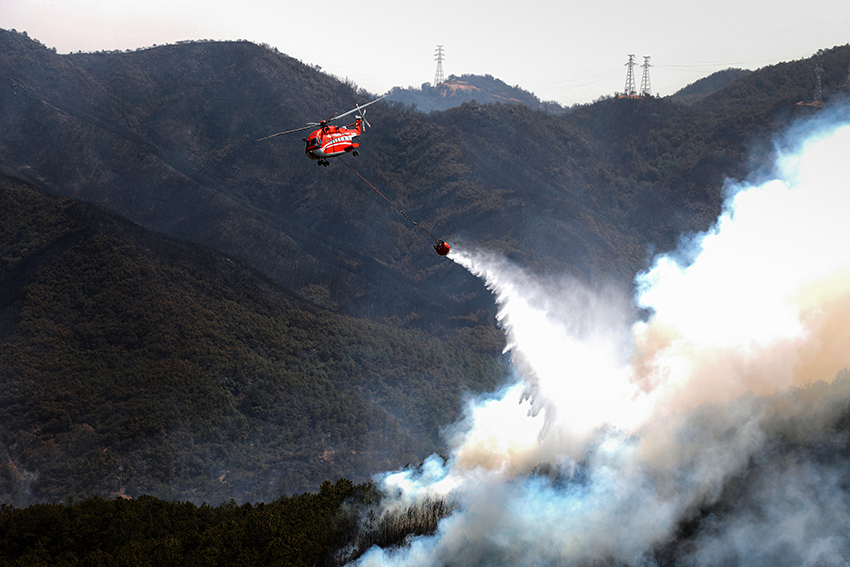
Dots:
pixel 355 109
pixel 308 127
pixel 323 122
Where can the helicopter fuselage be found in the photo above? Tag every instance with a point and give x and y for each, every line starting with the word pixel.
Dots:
pixel 332 141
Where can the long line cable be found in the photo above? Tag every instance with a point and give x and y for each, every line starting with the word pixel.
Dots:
pixel 391 203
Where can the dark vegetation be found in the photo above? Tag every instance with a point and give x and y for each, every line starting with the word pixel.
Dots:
pixel 290 327
pixel 304 530
pixel 334 525
pixel 166 137
pixel 339 523
pixel 133 363
pixel 708 85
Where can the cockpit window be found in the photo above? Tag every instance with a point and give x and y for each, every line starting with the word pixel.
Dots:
pixel 312 143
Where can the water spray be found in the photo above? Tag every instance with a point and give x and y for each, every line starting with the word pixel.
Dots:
pixel 615 432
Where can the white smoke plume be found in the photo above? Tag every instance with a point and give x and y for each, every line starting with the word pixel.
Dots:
pixel 617 433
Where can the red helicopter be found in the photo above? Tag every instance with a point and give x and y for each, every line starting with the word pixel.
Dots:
pixel 328 140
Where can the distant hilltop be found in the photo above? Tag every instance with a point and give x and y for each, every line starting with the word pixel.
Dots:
pixel 455 90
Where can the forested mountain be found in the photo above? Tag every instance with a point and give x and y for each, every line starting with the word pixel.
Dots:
pixel 707 85
pixel 133 363
pixel 166 137
pixel 324 529
pixel 155 365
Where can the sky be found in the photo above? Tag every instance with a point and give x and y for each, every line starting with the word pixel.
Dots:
pixel 564 52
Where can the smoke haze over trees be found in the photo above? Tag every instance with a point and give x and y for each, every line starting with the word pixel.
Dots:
pixel 260 325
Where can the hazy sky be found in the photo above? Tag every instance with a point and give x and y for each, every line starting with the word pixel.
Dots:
pixel 563 51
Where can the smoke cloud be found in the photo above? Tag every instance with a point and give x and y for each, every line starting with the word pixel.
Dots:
pixel 707 422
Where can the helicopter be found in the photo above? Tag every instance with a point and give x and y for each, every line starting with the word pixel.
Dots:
pixel 327 140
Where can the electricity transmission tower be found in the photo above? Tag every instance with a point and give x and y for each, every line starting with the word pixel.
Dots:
pixel 630 77
pixel 847 80
pixel 818 84
pixel 645 89
pixel 818 100
pixel 438 76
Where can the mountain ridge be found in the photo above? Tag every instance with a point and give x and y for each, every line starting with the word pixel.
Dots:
pixel 166 138
pixel 135 363
pixel 238 196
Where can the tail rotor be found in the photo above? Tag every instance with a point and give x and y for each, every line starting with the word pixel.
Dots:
pixel 362 116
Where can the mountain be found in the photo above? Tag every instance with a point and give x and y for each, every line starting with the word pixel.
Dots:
pixel 454 91
pixel 290 306
pixel 707 85
pixel 166 137
pixel 134 363
pixel 322 529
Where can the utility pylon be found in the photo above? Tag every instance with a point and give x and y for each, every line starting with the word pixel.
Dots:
pixel 818 100
pixel 438 76
pixel 846 84
pixel 645 89
pixel 818 84
pixel 630 77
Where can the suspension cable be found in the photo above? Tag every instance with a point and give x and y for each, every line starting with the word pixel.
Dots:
pixel 390 202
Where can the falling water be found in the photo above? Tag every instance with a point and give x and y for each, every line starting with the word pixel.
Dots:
pixel 616 431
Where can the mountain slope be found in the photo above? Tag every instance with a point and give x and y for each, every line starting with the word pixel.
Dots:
pixel 130 334
pixel 707 85
pixel 166 137
pixel 131 363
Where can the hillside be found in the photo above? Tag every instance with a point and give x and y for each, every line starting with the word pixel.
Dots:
pixel 310 530
pixel 455 91
pixel 132 363
pixel 166 137
pixel 328 339
pixel 707 85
